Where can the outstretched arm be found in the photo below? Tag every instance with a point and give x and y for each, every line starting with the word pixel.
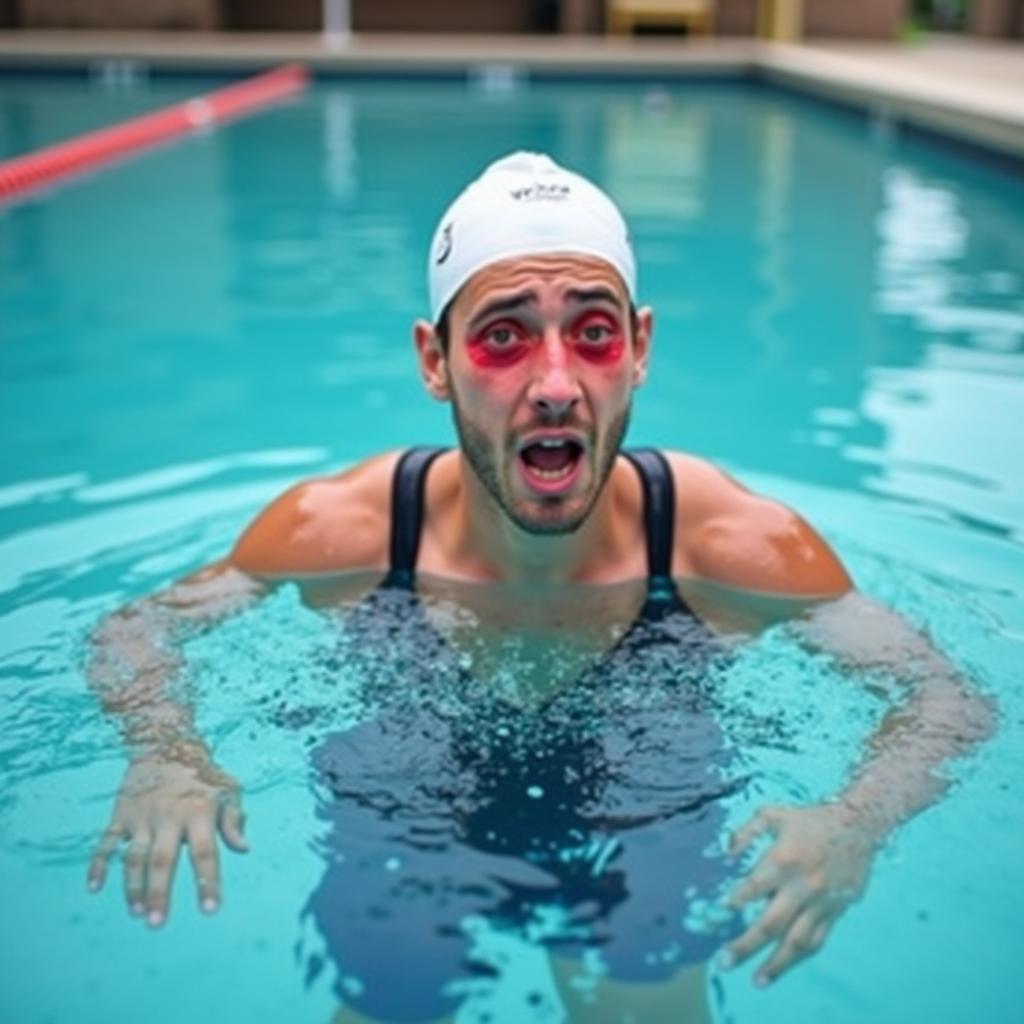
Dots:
pixel 822 855
pixel 937 713
pixel 172 794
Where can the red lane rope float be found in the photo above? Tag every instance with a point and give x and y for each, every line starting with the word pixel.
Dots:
pixel 44 166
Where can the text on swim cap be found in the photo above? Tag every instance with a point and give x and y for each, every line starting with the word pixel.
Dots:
pixel 540 191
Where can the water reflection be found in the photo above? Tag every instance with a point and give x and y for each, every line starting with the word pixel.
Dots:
pixel 664 189
pixel 772 229
pixel 922 235
pixel 339 146
pixel 924 272
pixel 949 419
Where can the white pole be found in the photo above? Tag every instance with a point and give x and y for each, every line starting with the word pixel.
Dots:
pixel 337 22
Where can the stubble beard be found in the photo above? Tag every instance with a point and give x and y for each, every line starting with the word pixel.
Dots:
pixel 478 451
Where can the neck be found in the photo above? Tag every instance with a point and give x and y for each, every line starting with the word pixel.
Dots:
pixel 493 547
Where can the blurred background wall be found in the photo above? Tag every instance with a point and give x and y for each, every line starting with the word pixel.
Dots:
pixel 179 14
pixel 861 19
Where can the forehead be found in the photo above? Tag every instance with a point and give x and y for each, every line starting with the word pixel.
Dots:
pixel 551 274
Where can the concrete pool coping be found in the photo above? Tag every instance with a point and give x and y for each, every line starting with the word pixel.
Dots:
pixel 970 91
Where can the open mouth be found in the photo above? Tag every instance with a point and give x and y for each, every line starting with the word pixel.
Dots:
pixel 551 463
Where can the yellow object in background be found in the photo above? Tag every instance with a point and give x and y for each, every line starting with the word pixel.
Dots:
pixel 780 20
pixel 696 16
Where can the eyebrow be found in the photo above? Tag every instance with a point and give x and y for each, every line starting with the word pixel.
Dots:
pixel 599 294
pixel 504 305
pixel 524 298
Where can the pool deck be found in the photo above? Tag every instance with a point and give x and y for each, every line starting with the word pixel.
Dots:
pixel 968 89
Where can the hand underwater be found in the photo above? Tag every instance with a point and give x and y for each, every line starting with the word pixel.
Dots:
pixel 166 801
pixel 816 868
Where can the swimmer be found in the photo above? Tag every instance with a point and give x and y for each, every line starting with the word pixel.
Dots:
pixel 537 342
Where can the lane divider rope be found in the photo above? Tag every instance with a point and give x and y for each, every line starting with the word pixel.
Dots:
pixel 84 152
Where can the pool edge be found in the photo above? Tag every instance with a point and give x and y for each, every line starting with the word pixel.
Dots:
pixel 980 117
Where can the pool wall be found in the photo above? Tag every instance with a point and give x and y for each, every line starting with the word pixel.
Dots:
pixel 947 99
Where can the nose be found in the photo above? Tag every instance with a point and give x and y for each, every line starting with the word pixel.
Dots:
pixel 554 390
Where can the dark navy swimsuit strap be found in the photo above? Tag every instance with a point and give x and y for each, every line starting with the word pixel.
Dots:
pixel 659 509
pixel 660 527
pixel 407 506
pixel 408 488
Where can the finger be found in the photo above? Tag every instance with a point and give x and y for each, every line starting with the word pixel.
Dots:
pixel 763 823
pixel 202 851
pixel 135 859
pixel 769 927
pixel 232 826
pixel 764 879
pixel 804 938
pixel 163 859
pixel 105 847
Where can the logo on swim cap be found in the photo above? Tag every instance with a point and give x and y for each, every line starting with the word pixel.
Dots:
pixel 540 191
pixel 445 248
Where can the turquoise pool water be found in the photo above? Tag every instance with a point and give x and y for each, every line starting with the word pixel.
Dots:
pixel 840 322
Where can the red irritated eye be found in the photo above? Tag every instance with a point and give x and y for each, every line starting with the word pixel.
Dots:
pixel 498 344
pixel 598 338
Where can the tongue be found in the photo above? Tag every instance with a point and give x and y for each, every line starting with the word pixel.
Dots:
pixel 548 459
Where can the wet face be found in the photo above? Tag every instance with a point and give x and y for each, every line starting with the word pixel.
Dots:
pixel 542 361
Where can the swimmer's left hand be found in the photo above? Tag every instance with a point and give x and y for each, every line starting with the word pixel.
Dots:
pixel 816 868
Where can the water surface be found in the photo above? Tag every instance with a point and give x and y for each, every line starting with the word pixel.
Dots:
pixel 839 321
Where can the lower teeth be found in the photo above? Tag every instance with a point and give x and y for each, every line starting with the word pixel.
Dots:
pixel 551 474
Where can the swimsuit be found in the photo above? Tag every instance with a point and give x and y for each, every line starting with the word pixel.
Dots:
pixel 451 802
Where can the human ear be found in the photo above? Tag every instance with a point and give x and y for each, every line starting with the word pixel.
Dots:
pixel 433 362
pixel 642 330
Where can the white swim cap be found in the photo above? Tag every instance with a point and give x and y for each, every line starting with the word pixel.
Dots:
pixel 524 205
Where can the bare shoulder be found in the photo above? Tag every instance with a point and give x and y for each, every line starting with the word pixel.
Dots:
pixel 329 524
pixel 727 534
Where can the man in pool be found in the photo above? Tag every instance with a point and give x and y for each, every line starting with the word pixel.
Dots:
pixel 536 341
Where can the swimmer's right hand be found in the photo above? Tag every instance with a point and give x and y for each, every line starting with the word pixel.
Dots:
pixel 166 801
